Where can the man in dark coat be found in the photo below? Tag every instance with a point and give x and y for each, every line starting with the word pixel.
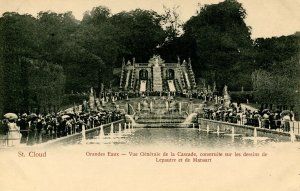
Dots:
pixel 24 127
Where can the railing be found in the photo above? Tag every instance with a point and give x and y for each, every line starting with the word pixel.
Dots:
pixel 192 76
pixel 122 76
pixel 37 136
pixel 177 85
pixel 278 125
pixel 244 129
pixel 127 79
pixel 182 78
pixel 132 78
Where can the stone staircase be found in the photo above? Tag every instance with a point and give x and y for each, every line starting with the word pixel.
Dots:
pixel 192 75
pixel 157 80
pixel 137 85
pixel 177 85
pixel 127 80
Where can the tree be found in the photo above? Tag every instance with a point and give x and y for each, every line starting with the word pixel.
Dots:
pixel 46 85
pixel 1 78
pixel 222 41
pixel 280 57
pixel 55 32
pixel 97 36
pixel 171 22
pixel 138 33
pixel 97 16
pixel 271 52
pixel 19 36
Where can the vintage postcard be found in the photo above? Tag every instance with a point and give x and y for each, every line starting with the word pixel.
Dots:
pixel 163 95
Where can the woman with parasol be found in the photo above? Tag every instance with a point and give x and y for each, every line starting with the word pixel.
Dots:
pixel 13 134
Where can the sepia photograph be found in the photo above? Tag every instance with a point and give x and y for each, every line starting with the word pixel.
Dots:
pixel 164 95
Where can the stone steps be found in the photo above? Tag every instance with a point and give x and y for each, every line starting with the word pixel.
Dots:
pixel 157 80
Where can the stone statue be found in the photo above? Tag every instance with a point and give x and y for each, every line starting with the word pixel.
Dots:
pixel 226 96
pixel 225 91
pixel 172 105
pixel 92 91
pixel 145 105
pixel 156 62
pixel 92 100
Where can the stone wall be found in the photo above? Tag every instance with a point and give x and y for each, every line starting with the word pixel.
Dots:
pixel 245 130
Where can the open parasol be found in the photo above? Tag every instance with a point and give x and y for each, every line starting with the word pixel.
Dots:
pixel 256 115
pixel 285 112
pixel 11 116
pixel 32 116
pixel 265 110
pixel 65 116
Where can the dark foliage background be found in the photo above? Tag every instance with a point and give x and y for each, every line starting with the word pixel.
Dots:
pixel 44 58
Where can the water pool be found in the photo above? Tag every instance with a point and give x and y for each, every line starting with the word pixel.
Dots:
pixel 166 137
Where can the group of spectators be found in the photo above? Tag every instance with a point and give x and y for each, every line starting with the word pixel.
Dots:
pixel 40 128
pixel 265 119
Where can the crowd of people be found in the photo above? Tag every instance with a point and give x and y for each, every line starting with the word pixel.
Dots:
pixel 265 119
pixel 32 128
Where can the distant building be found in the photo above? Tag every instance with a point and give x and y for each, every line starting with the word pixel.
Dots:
pixel 157 76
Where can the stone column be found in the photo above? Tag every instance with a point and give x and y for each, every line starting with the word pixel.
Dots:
pixel 179 108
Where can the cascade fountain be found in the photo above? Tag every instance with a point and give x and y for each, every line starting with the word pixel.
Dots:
pixel 218 132
pixel 112 130
pixel 292 136
pixel 207 130
pixel 101 134
pixel 120 127
pixel 131 119
pixel 189 119
pixel 101 137
pixel 233 134
pixel 120 130
pixel 83 141
pixel 255 137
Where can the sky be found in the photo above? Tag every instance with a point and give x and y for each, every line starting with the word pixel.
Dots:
pixel 267 18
